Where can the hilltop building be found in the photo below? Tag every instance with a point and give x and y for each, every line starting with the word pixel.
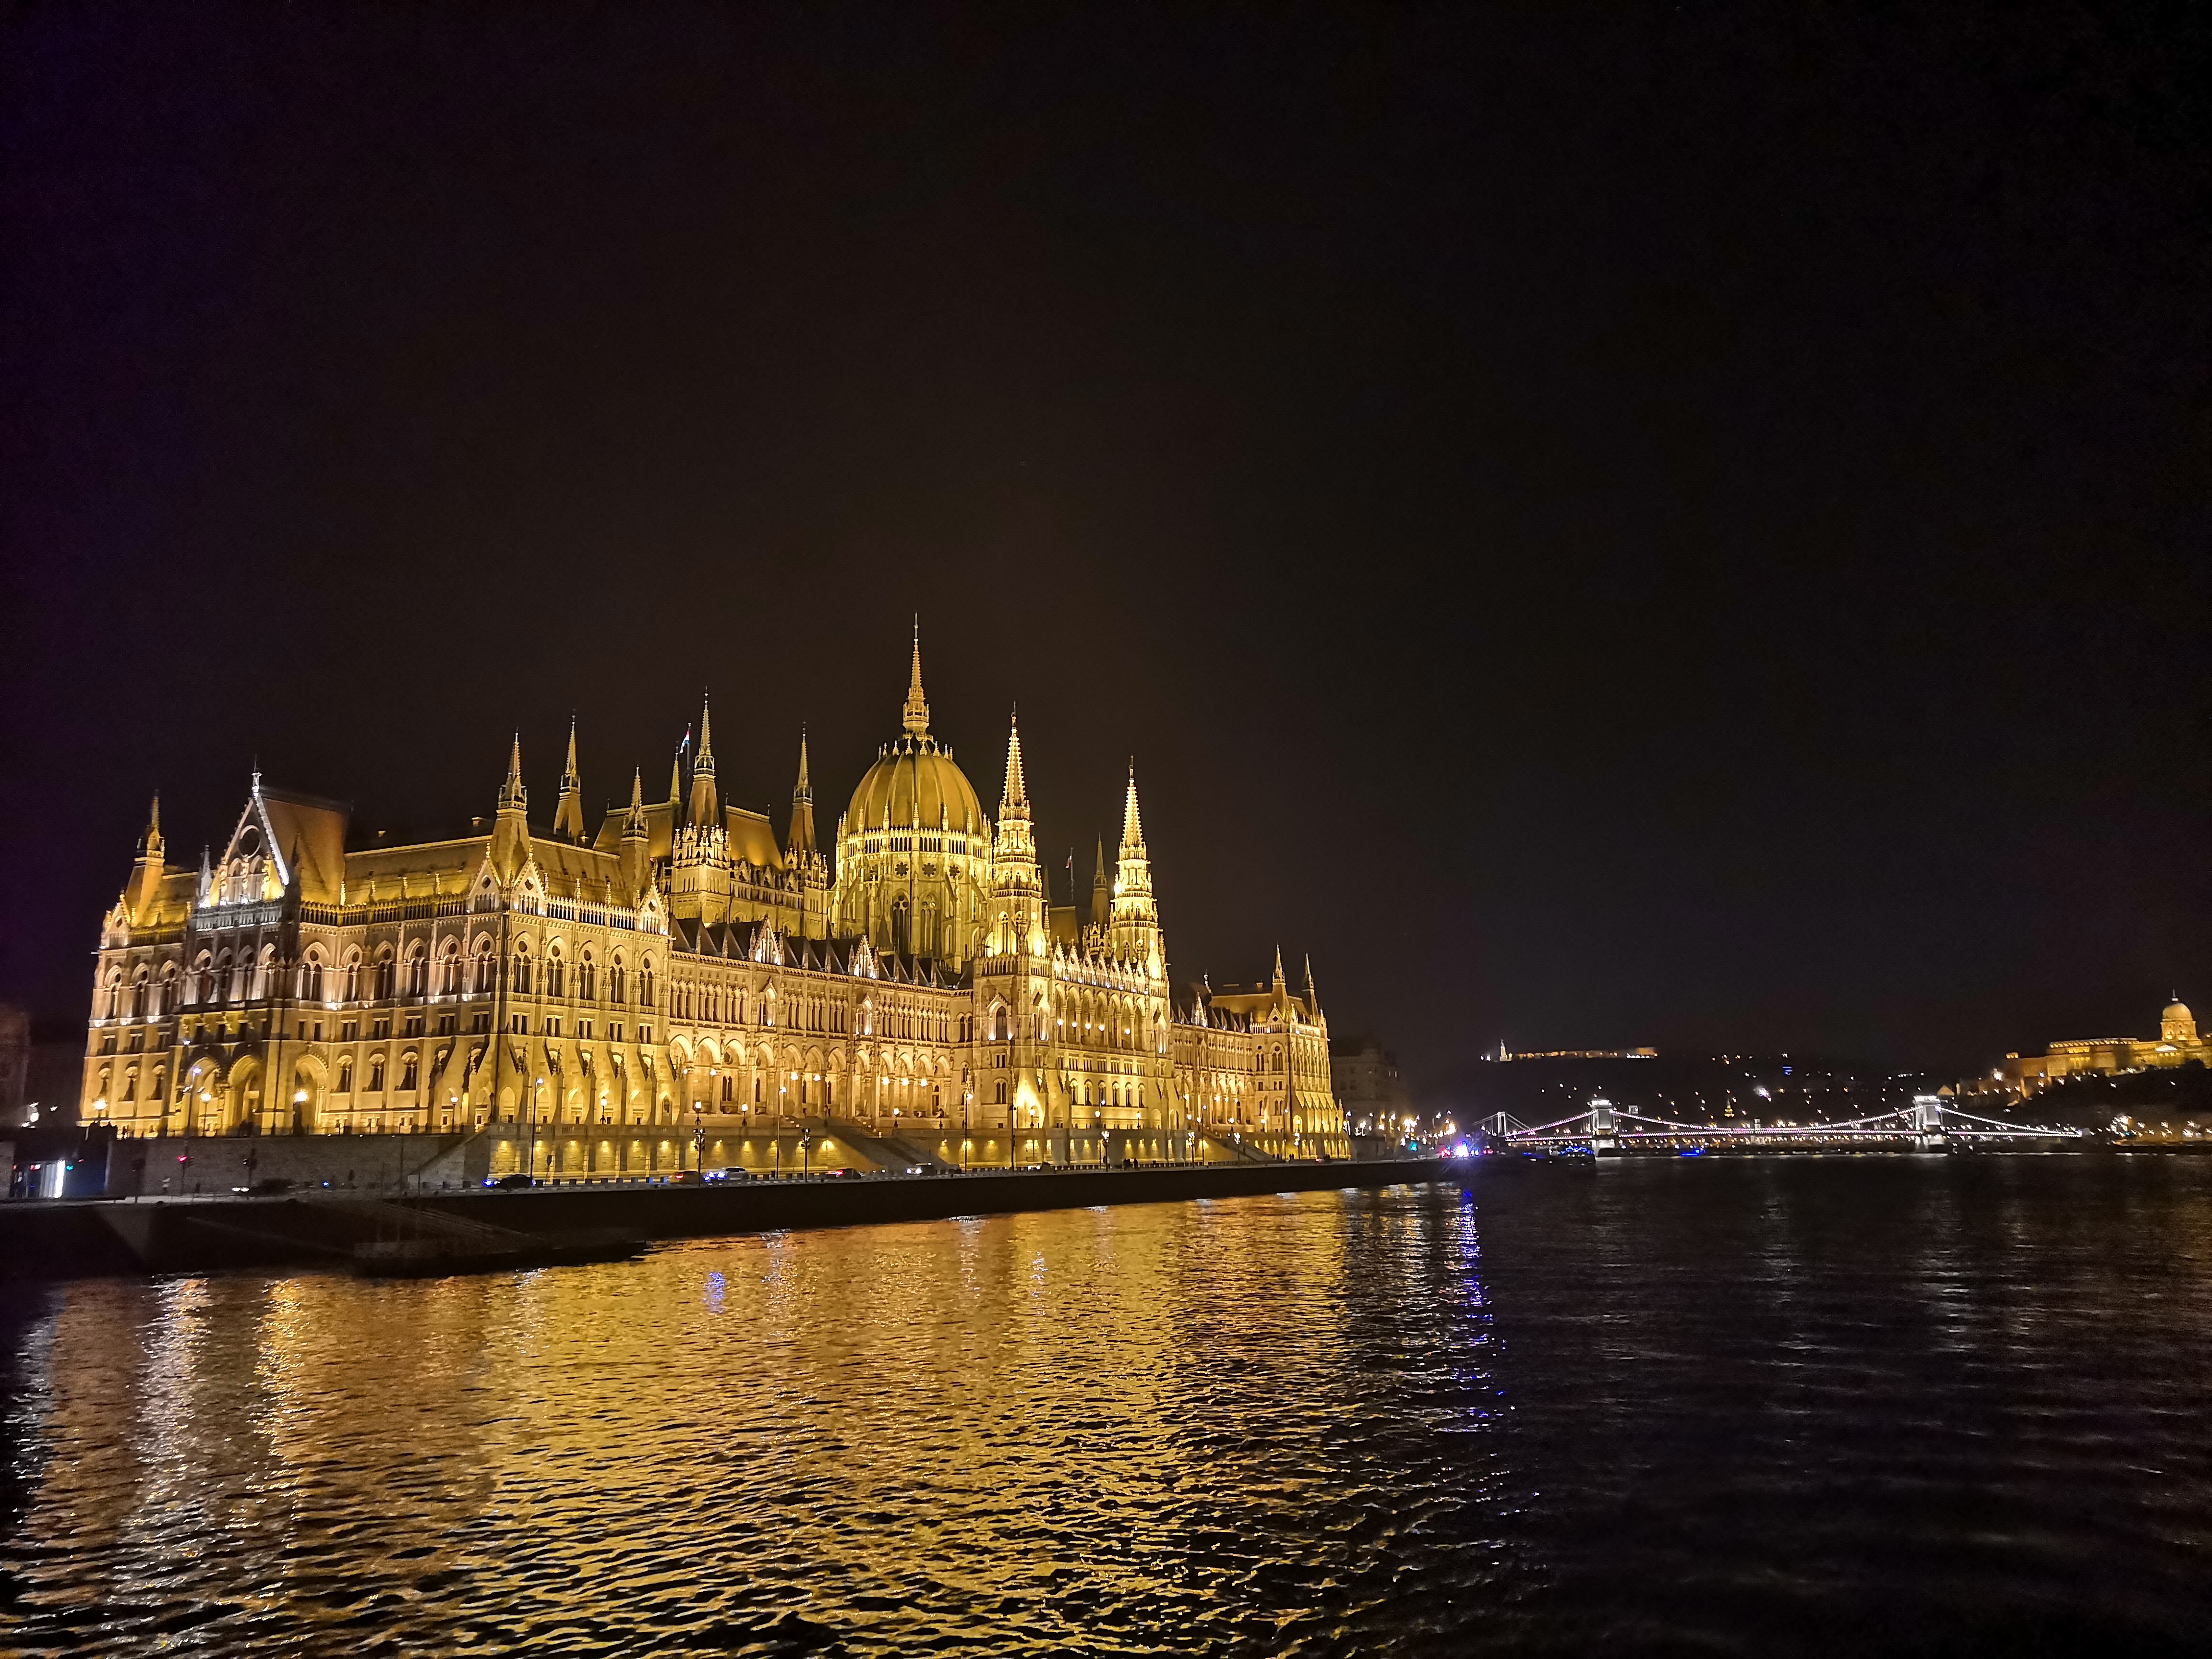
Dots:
pixel 681 987
pixel 2177 1043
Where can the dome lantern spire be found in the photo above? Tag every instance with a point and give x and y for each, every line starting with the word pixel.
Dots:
pixel 915 717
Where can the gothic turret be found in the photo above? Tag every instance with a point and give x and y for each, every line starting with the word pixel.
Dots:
pixel 510 835
pixel 1017 889
pixel 1101 889
pixel 800 842
pixel 568 817
pixel 1136 915
pixel 637 842
pixel 146 873
pixel 706 801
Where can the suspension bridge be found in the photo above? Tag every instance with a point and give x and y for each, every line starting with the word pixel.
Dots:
pixel 1929 1124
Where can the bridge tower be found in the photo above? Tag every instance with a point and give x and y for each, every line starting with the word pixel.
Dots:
pixel 1928 1135
pixel 1605 1133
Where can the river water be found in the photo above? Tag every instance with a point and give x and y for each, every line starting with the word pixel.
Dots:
pixel 1747 1406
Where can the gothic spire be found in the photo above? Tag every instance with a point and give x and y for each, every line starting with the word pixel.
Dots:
pixel 1133 824
pixel 1016 795
pixel 1313 997
pixel 568 817
pixel 1279 967
pixel 150 845
pixel 513 797
pixel 706 801
pixel 801 842
pixel 915 718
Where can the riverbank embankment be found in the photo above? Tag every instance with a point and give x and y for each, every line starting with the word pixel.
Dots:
pixel 73 1239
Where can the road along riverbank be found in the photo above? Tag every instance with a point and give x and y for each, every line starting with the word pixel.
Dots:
pixel 74 1239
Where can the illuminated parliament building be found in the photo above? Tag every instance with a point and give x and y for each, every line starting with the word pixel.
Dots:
pixel 678 989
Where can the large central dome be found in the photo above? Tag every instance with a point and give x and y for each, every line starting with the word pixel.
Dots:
pixel 913 781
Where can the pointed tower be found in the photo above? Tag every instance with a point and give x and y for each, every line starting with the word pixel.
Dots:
pixel 510 833
pixel 637 842
pixel 915 716
pixel 1101 888
pixel 706 801
pixel 146 873
pixel 1016 888
pixel 1136 915
pixel 1313 997
pixel 568 817
pixel 799 844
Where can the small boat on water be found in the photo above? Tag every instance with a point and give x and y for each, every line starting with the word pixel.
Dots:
pixel 435 1256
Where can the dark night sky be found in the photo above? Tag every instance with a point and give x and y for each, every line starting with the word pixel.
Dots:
pixel 1685 527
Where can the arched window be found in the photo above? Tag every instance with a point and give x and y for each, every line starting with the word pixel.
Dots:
pixel 407 1072
pixel 557 975
pixel 999 1025
pixel 449 969
pixel 999 1092
pixel 138 996
pixel 310 978
pixel 419 972
pixel 614 980
pixel 522 971
pixel 100 1095
pixel 587 979
pixel 130 1083
pixel 385 980
pixel 645 985
pixel 352 985
pixel 203 979
pixel 154 1089
pixel 376 1074
pixel 345 1075
pixel 487 968
pixel 729 1087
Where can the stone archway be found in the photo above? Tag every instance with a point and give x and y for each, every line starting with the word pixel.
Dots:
pixel 305 1107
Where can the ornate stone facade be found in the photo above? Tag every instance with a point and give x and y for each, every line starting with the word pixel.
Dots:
pixel 681 988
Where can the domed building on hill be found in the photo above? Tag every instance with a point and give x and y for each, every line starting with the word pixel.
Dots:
pixel 2176 1044
pixel 684 989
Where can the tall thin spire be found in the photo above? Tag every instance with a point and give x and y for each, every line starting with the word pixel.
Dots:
pixel 1099 886
pixel 1132 824
pixel 568 816
pixel 915 717
pixel 1016 795
pixel 1313 997
pixel 706 799
pixel 1279 967
pixel 150 845
pixel 513 797
pixel 801 842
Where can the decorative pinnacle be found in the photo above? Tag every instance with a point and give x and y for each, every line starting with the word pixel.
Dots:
pixel 1132 824
pixel 915 717
pixel 513 797
pixel 705 757
pixel 1016 791
pixel 1279 964
pixel 805 791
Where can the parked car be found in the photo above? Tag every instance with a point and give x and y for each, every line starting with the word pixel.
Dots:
pixel 503 1183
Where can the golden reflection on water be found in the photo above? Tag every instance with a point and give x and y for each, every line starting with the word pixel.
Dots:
pixel 1005 1430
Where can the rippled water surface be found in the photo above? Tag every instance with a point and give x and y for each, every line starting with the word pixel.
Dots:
pixel 1756 1406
